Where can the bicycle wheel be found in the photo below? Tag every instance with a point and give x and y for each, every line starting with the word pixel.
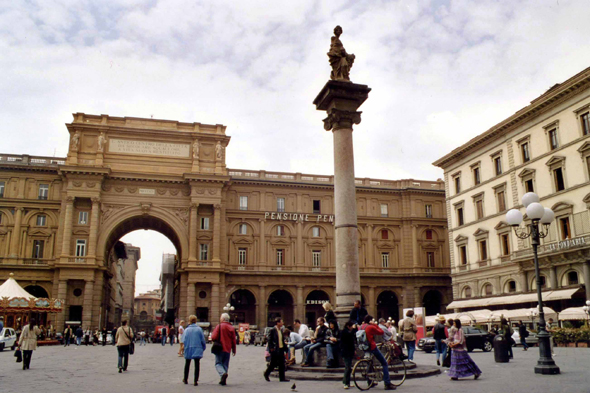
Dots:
pixel 397 369
pixel 363 374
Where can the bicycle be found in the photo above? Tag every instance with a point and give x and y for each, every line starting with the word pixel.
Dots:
pixel 368 372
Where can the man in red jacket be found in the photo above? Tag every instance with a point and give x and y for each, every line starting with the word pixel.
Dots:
pixel 226 334
pixel 371 330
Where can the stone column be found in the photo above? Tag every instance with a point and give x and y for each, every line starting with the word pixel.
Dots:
pixel 62 292
pixel 415 253
pixel 553 277
pixel 217 234
pixel 192 246
pixel 93 238
pixel 215 310
pixel 417 297
pixel 262 245
pixel 263 307
pixel 87 307
pixel 370 257
pixel 341 100
pixel 586 272
pixel 190 301
pixel 300 311
pixel 67 237
pixel 372 306
pixel 524 283
pixel 300 254
pixel 15 238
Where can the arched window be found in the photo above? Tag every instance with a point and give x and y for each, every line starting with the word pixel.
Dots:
pixel 572 278
pixel 315 232
pixel 384 234
pixel 511 286
pixel 467 292
pixel 488 290
pixel 428 234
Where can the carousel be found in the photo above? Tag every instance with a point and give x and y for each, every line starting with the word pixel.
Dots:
pixel 17 306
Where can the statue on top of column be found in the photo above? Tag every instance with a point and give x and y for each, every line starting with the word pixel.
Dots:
pixel 340 61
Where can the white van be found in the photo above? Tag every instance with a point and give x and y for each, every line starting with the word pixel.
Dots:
pixel 7 338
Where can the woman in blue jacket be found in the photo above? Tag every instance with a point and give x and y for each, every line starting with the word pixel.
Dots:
pixel 194 346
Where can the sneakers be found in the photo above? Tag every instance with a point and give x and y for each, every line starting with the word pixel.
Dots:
pixel 346 387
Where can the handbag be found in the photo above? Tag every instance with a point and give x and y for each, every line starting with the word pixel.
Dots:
pixel 131 345
pixel 216 348
pixel 18 355
pixel 447 360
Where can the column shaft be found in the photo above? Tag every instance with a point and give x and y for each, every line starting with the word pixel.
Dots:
pixel 62 292
pixel 93 227
pixel 553 277
pixel 87 308
pixel 15 238
pixel 372 306
pixel 215 310
pixel 262 245
pixel 67 237
pixel 300 312
pixel 370 258
pixel 190 301
pixel 217 234
pixel 192 241
pixel 263 306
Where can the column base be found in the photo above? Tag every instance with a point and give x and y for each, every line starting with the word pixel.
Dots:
pixel 547 369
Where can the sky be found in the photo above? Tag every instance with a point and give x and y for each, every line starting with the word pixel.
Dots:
pixel 441 72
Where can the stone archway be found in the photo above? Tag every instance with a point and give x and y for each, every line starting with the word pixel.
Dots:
pixel 432 302
pixel 387 305
pixel 280 304
pixel 37 291
pixel 244 303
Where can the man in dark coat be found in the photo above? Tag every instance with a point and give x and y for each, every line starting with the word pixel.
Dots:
pixel 104 336
pixel 277 345
pixel 79 335
pixel 358 313
pixel 164 335
pixel 114 334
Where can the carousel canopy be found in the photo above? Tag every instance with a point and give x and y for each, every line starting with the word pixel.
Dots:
pixel 11 289
pixel 13 298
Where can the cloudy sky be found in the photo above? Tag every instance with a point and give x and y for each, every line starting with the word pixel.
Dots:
pixel 441 73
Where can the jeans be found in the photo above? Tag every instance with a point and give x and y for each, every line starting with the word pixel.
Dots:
pixel 123 351
pixel 441 348
pixel 142 342
pixel 411 345
pixel 510 353
pixel 379 356
pixel 66 341
pixel 301 344
pixel 330 351
pixel 27 359
pixel 163 340
pixel 347 370
pixel 78 340
pixel 187 366
pixel 222 363
pixel 308 350
pixel 523 342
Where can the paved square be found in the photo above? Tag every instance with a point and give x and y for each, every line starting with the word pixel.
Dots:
pixel 154 368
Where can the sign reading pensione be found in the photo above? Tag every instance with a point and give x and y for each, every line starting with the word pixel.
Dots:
pixel 296 217
pixel 149 148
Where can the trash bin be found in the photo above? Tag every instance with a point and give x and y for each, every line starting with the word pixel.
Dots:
pixel 501 349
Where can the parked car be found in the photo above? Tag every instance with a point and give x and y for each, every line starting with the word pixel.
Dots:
pixel 261 337
pixel 7 338
pixel 478 339
pixel 531 340
pixel 426 344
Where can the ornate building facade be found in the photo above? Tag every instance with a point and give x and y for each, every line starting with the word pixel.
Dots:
pixel 262 241
pixel 542 148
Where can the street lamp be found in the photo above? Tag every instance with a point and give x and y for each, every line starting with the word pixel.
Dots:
pixel 586 309
pixel 230 309
pixel 538 215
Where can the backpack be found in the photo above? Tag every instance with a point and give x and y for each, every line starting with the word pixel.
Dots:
pixel 361 339
pixel 526 333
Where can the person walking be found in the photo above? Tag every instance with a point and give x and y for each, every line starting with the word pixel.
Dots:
pixel 171 334
pixel 124 337
pixel 371 330
pixel 104 336
pixel 358 313
pixel 277 344
pixel 347 351
pixel 79 334
pixel 113 335
pixel 523 333
pixel 142 338
pixel 87 334
pixel 164 335
pixel 409 330
pixel 461 363
pixel 27 342
pixel 194 345
pixel 507 333
pixel 226 335
pixel 67 336
pixel 440 334
pixel 181 338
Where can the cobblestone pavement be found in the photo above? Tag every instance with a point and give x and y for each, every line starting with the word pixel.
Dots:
pixel 154 368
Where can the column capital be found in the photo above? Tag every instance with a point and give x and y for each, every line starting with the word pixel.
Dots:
pixel 70 199
pixel 19 209
pixel 194 205
pixel 95 200
pixel 217 206
pixel 338 119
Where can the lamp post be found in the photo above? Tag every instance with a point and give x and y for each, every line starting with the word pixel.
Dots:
pixel 230 309
pixel 538 215
pixel 586 309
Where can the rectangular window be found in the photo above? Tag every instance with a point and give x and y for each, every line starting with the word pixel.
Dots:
pixel 41 220
pixel 585 119
pixel 38 246
pixel 204 252
pixel 498 165
pixel 528 185
pixel 483 250
pixel 243 229
pixel 476 179
pixel 83 218
pixel 205 223
pixel 385 260
pixel 242 256
pixel 384 234
pixel 428 209
pixel 316 206
pixel 457 184
pixel 279 257
pixel 501 201
pixel 429 234
pixel 80 248
pixel 315 232
pixel 2 189
pixel 564 224
pixel 430 259
pixel 316 257
pixel 479 208
pixel 281 205
pixel 558 178
pixel 460 220
pixel 384 212
pixel 243 203
pixel 524 149
pixel 43 191
pixel 553 139
pixel 280 230
pixel 463 254
pixel 505 243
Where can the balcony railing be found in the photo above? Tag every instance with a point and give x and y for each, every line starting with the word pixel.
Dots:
pixel 35 261
pixel 25 159
pixel 332 269
pixel 555 247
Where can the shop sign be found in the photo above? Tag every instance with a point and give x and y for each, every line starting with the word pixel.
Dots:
pixel 569 243
pixel 320 302
pixel 299 217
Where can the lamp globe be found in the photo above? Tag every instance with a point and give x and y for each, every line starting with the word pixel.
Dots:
pixel 535 211
pixel 528 198
pixel 514 217
pixel 548 216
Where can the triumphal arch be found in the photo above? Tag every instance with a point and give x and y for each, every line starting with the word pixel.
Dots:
pixel 262 241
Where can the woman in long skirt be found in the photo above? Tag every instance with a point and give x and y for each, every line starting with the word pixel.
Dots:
pixel 461 363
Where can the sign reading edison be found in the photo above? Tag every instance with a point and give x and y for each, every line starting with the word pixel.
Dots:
pixel 148 148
